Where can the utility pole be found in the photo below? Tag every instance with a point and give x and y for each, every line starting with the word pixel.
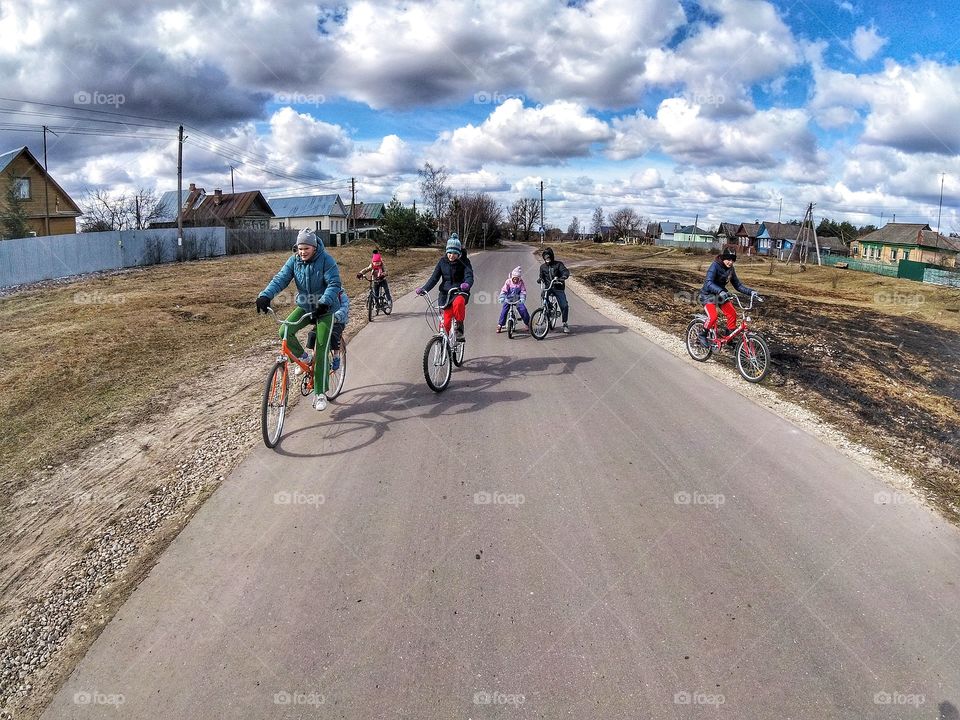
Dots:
pixel 353 210
pixel 180 193
pixel 232 189
pixel 779 211
pixel 46 184
pixel 939 208
pixel 543 223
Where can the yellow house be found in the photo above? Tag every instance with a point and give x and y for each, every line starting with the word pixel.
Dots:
pixel 907 241
pixel 50 211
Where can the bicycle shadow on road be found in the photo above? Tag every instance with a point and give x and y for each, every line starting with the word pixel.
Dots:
pixel 587 330
pixel 375 409
pixel 503 366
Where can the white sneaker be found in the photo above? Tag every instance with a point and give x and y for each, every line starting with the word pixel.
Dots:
pixel 566 328
pixel 320 402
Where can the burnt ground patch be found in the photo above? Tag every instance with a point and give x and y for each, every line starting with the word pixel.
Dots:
pixel 892 383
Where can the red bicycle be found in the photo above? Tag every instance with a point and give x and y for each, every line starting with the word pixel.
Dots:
pixel 753 353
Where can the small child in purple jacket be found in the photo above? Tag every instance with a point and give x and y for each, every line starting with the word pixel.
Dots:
pixel 512 290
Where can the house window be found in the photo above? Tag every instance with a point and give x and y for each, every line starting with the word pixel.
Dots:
pixel 21 188
pixel 318 224
pixel 906 254
pixel 283 225
pixel 893 254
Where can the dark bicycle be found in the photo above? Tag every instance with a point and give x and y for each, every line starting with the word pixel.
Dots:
pixel 545 318
pixel 377 301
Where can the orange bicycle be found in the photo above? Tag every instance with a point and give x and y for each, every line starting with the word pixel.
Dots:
pixel 276 392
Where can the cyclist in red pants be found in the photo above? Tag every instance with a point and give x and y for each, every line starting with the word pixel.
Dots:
pixel 453 270
pixel 714 292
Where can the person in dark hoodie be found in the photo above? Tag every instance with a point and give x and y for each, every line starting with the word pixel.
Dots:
pixel 317 278
pixel 714 292
pixel 453 270
pixel 553 268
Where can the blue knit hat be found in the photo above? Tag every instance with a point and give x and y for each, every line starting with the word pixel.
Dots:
pixel 453 245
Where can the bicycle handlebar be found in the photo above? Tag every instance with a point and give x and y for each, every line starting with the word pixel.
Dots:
pixel 284 322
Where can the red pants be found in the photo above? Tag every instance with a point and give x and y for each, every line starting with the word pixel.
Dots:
pixel 728 309
pixel 457 310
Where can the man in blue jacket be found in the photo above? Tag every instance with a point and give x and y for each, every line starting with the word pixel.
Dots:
pixel 317 278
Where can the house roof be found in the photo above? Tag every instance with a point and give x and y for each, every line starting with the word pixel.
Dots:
pixel 933 239
pixel 308 206
pixel 369 211
pixel 8 157
pixel 668 227
pixel 832 241
pixel 728 229
pixel 168 201
pixel 896 234
pixel 748 229
pixel 228 206
pixel 693 230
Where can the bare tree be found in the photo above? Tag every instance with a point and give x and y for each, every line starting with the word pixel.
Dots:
pixel 596 224
pixel 573 230
pixel 434 189
pixel 147 206
pixel 524 214
pixel 625 221
pixel 103 211
pixel 469 212
pixel 120 211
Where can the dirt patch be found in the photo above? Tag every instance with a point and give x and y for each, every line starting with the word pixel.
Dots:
pixel 888 379
pixel 163 387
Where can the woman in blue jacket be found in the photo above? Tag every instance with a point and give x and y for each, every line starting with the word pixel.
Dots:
pixel 317 278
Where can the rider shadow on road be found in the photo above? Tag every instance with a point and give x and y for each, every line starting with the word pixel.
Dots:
pixel 364 415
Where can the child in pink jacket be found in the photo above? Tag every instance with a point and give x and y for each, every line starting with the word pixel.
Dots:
pixel 513 289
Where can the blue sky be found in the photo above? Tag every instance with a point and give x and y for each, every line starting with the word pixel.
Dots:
pixel 677 109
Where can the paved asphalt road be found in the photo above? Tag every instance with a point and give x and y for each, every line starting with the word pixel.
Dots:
pixel 654 546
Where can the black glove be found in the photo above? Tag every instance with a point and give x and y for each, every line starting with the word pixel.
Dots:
pixel 319 312
pixel 724 297
pixel 263 304
pixel 359 276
